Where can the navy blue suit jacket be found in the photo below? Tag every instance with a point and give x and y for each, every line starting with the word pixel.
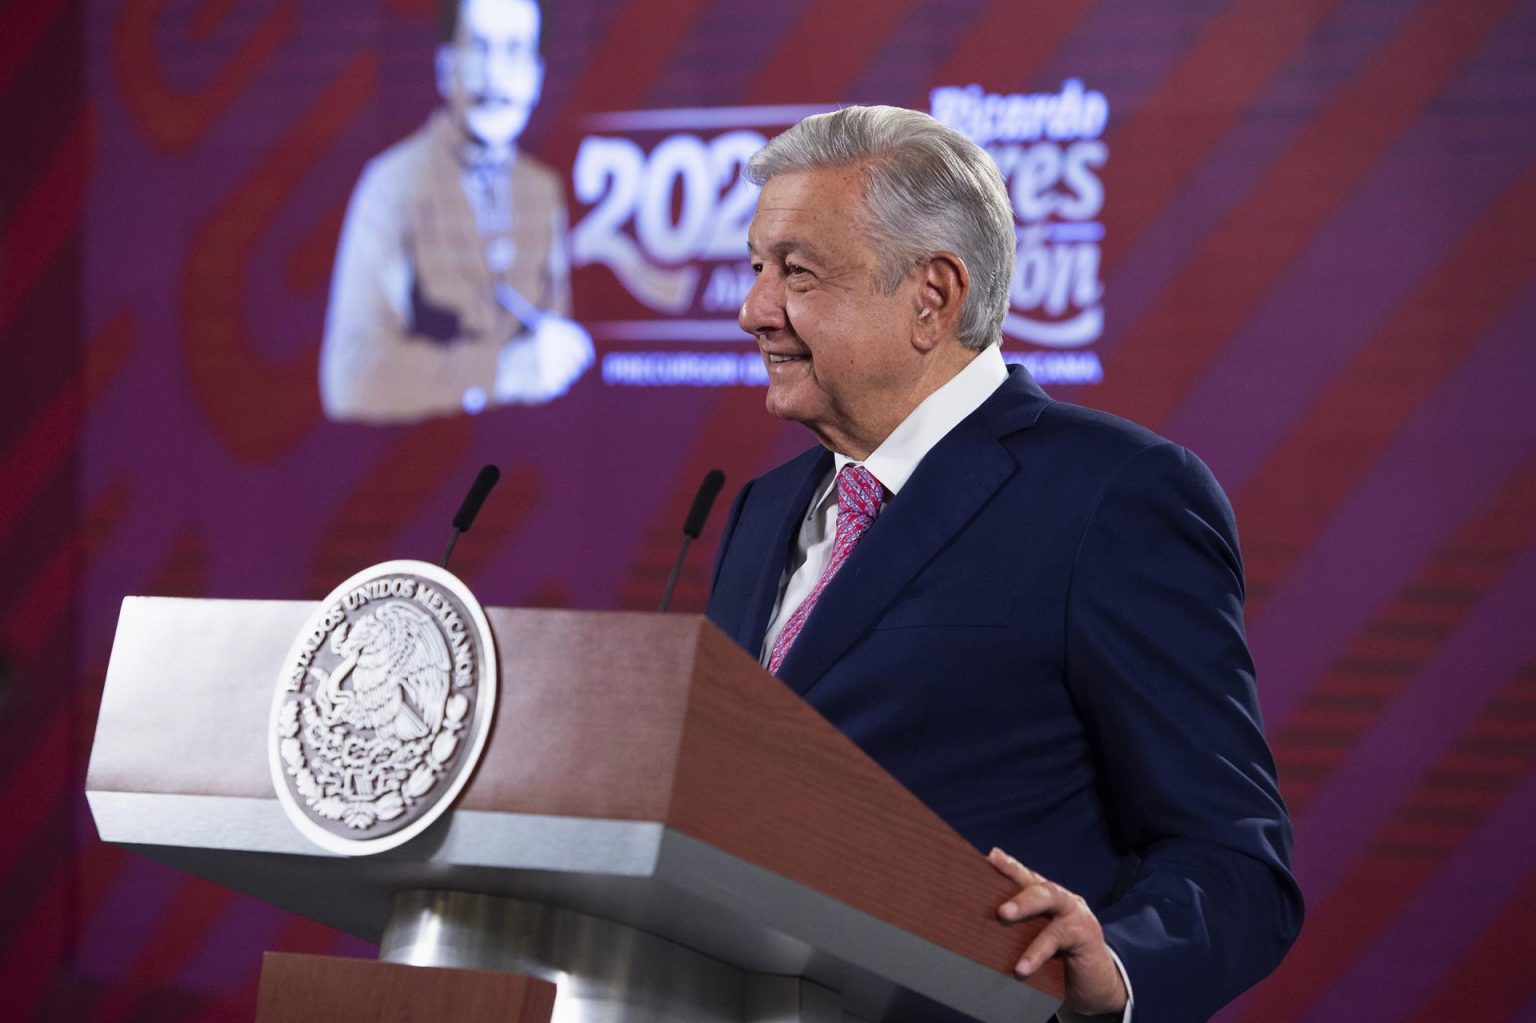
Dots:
pixel 1041 637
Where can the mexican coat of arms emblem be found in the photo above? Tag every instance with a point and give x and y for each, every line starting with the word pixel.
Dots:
pixel 383 707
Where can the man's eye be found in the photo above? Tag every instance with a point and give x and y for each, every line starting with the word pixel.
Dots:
pixel 793 268
pixel 757 268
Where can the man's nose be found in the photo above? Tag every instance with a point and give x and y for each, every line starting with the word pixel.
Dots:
pixel 764 308
pixel 500 68
pixel 508 66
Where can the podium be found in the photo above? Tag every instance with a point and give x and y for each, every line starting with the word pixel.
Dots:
pixel 657 827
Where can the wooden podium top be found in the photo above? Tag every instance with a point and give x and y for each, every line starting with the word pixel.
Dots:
pixel 641 768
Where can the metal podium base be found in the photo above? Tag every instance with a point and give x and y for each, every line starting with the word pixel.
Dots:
pixel 604 972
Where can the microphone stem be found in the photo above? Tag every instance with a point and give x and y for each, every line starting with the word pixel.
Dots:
pixel 677 570
pixel 453 539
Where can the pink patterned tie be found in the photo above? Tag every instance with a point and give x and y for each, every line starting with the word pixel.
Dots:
pixel 859 496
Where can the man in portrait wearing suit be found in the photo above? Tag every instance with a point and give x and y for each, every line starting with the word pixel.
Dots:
pixel 1028 612
pixel 451 287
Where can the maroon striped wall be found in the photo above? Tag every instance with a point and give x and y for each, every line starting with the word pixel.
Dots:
pixel 1319 272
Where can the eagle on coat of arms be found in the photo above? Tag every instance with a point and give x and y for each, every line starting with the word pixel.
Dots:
pixel 398 668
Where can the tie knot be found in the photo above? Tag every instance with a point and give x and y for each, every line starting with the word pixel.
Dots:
pixel 859 493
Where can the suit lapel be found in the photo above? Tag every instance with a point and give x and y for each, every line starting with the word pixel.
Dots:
pixel 782 529
pixel 951 484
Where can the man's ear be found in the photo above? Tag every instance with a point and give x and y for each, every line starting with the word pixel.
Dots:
pixel 943 283
pixel 444 64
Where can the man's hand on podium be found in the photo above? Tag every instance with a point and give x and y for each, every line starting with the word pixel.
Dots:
pixel 1094 984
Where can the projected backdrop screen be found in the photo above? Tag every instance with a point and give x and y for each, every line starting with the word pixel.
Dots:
pixel 346 258
pixel 335 263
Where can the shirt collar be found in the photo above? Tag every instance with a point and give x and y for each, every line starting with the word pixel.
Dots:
pixel 894 461
pixel 471 154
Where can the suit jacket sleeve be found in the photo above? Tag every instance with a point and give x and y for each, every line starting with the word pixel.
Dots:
pixel 1158 664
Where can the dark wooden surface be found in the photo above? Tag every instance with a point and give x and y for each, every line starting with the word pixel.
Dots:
pixel 329 989
pixel 589 715
pixel 766 778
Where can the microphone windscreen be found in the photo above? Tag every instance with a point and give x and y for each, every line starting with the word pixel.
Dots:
pixel 703 501
pixel 475 498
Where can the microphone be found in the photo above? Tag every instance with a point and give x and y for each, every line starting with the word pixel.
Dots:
pixel 471 507
pixel 693 526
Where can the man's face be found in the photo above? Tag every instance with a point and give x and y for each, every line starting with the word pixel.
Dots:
pixel 838 350
pixel 490 75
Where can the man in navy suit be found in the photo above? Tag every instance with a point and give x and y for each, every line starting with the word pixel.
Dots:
pixel 1029 613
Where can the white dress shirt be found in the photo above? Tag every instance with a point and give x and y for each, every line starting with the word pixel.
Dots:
pixel 892 463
